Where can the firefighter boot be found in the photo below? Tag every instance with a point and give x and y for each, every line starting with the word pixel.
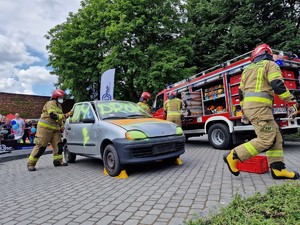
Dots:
pixel 279 171
pixel 59 163
pixel 231 160
pixel 31 168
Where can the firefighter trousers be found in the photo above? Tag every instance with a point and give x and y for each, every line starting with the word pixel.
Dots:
pixel 268 138
pixel 43 137
pixel 174 119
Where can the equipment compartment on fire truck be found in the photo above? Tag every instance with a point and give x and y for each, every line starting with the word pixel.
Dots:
pixel 211 103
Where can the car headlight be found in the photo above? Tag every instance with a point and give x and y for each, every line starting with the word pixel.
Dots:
pixel 135 135
pixel 179 131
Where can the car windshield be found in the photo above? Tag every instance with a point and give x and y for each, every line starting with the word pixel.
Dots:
pixel 120 110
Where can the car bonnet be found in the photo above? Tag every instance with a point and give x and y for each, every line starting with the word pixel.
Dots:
pixel 150 126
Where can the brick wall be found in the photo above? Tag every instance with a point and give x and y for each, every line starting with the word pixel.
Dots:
pixel 28 106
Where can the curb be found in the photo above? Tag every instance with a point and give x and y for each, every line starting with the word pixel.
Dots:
pixel 292 140
pixel 10 156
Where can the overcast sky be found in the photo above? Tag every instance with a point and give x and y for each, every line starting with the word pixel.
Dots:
pixel 23 55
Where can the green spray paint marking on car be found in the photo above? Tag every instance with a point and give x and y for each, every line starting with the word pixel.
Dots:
pixel 82 111
pixel 86 137
pixel 114 107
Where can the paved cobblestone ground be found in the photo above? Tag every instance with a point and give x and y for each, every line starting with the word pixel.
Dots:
pixel 156 194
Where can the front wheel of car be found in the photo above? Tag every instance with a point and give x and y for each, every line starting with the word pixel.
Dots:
pixel 111 161
pixel 69 157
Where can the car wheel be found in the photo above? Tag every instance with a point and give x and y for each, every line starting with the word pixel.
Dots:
pixel 219 136
pixel 69 157
pixel 111 161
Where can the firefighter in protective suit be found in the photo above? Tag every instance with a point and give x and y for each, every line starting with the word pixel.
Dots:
pixel 260 80
pixel 143 101
pixel 49 129
pixel 172 107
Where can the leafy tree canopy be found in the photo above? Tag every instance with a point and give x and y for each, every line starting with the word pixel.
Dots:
pixel 153 43
pixel 144 40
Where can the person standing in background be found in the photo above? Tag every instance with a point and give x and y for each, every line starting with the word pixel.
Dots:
pixel 18 126
pixel 172 108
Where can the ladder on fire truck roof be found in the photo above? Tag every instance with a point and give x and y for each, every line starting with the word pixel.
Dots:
pixel 225 64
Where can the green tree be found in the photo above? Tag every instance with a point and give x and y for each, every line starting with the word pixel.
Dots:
pixel 224 29
pixel 145 41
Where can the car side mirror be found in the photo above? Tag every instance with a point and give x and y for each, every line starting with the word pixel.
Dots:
pixel 88 120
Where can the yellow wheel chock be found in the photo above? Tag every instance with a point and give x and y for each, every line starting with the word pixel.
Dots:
pixel 178 161
pixel 122 175
pixel 105 172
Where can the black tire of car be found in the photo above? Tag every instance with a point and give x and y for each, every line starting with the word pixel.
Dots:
pixel 111 161
pixel 219 136
pixel 69 157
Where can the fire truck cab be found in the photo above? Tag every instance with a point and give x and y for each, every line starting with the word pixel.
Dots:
pixel 211 102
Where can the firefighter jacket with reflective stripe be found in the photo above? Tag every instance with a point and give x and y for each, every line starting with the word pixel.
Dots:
pixel 173 107
pixel 144 106
pixel 259 82
pixel 46 121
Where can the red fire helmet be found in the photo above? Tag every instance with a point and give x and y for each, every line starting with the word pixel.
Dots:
pixel 261 49
pixel 57 93
pixel 146 95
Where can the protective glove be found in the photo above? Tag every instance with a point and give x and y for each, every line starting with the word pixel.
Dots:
pixel 292 110
pixel 244 119
pixel 68 114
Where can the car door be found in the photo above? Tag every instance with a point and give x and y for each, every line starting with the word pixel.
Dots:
pixel 81 132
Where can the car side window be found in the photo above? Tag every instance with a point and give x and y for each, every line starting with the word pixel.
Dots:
pixel 82 111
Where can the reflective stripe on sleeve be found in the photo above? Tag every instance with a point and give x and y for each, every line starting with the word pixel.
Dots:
pixel 272 76
pixel 285 95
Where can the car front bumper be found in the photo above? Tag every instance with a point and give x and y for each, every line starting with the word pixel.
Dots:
pixel 154 149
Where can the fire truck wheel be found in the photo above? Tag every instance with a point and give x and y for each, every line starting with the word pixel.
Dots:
pixel 219 136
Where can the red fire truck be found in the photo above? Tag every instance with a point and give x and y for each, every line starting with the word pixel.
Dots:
pixel 211 102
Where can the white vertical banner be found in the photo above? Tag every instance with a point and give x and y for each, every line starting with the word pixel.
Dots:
pixel 107 85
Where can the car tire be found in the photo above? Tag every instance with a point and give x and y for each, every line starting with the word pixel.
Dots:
pixel 219 136
pixel 69 157
pixel 111 161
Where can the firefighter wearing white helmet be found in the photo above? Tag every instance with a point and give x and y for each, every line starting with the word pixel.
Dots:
pixel 173 109
pixel 260 80
pixel 143 101
pixel 49 129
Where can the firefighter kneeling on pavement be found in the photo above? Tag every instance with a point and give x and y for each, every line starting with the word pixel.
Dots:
pixel 173 108
pixel 49 128
pixel 260 80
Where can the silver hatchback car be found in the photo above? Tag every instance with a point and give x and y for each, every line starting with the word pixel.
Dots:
pixel 120 133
